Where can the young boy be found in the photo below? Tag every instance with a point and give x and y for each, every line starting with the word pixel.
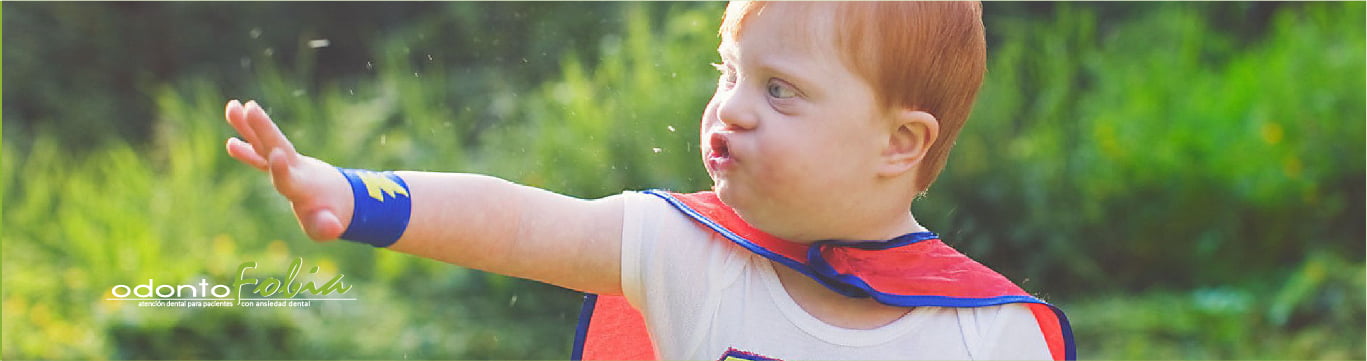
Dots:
pixel 829 119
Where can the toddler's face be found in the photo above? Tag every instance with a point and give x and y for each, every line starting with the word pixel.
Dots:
pixel 791 130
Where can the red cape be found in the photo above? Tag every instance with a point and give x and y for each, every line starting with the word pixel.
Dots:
pixel 914 270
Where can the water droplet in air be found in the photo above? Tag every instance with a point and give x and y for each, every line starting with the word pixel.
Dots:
pixel 270 52
pixel 657 150
pixel 319 43
pixel 415 75
pixel 255 33
pixel 298 92
pixel 429 57
pixel 671 128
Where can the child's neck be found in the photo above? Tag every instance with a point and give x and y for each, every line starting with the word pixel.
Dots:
pixel 887 229
pixel 833 308
pixel 839 310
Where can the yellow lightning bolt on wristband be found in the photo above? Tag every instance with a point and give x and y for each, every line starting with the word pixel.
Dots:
pixel 377 185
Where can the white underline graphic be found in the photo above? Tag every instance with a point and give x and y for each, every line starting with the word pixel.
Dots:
pixel 230 299
pixel 298 299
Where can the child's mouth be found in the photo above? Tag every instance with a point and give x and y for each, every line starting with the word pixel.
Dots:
pixel 719 149
pixel 720 155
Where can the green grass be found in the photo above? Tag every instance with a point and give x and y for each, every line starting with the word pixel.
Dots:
pixel 1313 313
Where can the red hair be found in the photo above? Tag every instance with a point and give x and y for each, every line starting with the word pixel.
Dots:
pixel 927 56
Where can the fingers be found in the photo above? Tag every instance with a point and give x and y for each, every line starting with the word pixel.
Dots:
pixel 266 148
pixel 244 153
pixel 268 136
pixel 282 174
pixel 237 117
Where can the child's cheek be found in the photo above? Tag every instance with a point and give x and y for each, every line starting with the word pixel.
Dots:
pixel 709 116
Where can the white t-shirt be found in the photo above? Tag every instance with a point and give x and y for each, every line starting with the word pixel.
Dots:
pixel 705 298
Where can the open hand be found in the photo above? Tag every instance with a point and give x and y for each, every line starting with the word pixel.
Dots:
pixel 319 194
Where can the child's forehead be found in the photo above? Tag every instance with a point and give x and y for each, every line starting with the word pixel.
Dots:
pixel 801 27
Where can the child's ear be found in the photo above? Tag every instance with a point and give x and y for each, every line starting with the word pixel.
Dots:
pixel 913 132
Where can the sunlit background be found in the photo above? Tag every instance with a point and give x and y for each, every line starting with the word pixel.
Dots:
pixel 1185 179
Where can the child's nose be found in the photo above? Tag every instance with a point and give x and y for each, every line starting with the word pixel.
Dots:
pixel 735 110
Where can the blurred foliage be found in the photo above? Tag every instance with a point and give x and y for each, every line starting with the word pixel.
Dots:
pixel 113 55
pixel 1186 180
pixel 1316 314
pixel 1156 152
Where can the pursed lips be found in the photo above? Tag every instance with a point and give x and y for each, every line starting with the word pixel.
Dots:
pixel 719 151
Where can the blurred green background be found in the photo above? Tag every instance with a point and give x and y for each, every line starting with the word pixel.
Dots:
pixel 1185 179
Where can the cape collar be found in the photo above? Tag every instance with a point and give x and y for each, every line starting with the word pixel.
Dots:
pixel 912 270
pixel 915 269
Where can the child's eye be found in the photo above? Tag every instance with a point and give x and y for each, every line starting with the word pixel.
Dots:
pixel 781 90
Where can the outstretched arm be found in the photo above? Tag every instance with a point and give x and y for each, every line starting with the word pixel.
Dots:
pixel 470 220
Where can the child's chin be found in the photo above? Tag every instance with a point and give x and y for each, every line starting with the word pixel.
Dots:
pixel 720 185
pixel 727 193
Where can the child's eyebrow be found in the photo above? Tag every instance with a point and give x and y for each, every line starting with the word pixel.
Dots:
pixel 786 71
pixel 727 50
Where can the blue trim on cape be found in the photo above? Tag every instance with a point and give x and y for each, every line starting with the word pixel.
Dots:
pixel 852 286
pixel 1069 349
pixel 581 331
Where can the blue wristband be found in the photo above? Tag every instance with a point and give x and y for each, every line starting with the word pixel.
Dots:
pixel 382 207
